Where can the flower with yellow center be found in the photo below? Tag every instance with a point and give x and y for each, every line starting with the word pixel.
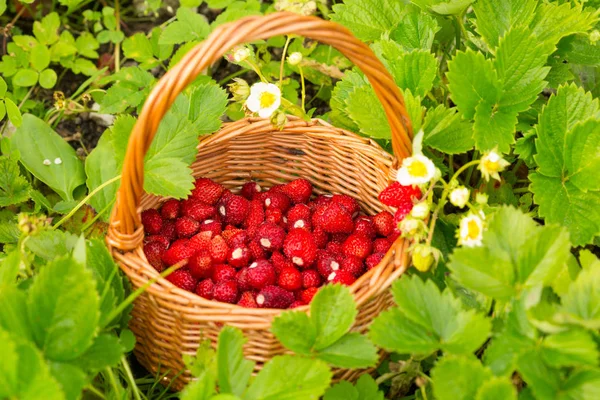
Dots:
pixel 264 99
pixel 470 231
pixel 459 196
pixel 416 170
pixel 491 164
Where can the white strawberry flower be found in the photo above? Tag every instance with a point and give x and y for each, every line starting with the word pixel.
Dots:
pixel 420 210
pixel 295 58
pixel 470 232
pixel 264 99
pixel 416 170
pixel 459 196
pixel 491 164
pixel 241 54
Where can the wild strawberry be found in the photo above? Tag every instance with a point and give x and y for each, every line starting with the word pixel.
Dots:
pixel 384 223
pixel 200 241
pixel 230 232
pixel 397 195
pixel 196 209
pixel 364 226
pixel 334 248
pixel 247 299
pixel 277 199
pixel 353 265
pixel 201 265
pixel 223 272
pixel 274 216
pixel 186 227
pixel 158 238
pixel 256 216
pixel 381 245
pixel 239 239
pixel 300 247
pixel 152 221
pixel 205 289
pixel 320 237
pixel 298 190
pixel 170 209
pixel 307 295
pixel 238 257
pixel 250 190
pixel 226 292
pixel 270 236
pixel 339 238
pixel 280 262
pixel 211 225
pixel 296 304
pixel 394 235
pixel 256 251
pixel 343 277
pixel 182 279
pixel 335 219
pixel 207 191
pixel 218 249
pixel 178 251
pixel 373 260
pixel 290 279
pixel 168 230
pixel 358 245
pixel 326 263
pixel 154 252
pixel 227 194
pixel 349 203
pixel 322 199
pixel 260 274
pixel 242 280
pixel 234 210
pixel 274 297
pixel 310 278
pixel 299 216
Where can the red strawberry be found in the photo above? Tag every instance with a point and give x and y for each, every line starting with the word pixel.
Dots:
pixel 201 265
pixel 170 209
pixel 239 239
pixel 358 245
pixel 205 289
pixel 335 219
pixel 322 199
pixel 218 249
pixel 207 191
pixel 178 251
pixel 242 280
pixel 343 277
pixel 270 236
pixel 250 190
pixel 310 278
pixel 238 257
pixel 256 216
pixel 290 279
pixel 154 252
pixel 276 199
pixel 201 241
pixel 256 251
pixel 339 238
pixel 248 300
pixel 364 226
pixel 152 221
pixel 296 304
pixel 320 237
pixel 326 264
pixel 274 216
pixel 274 297
pixel 234 210
pixel 186 227
pixel 384 223
pixel 373 260
pixel 182 279
pixel 396 195
pixel 223 272
pixel 349 203
pixel 280 262
pixel 381 245
pixel 230 232
pixel 260 274
pixel 158 238
pixel 196 209
pixel 401 212
pixel 334 248
pixel 352 265
pixel 300 247
pixel 394 235
pixel 168 230
pixel 227 194
pixel 298 190
pixel 226 292
pixel 307 295
pixel 211 225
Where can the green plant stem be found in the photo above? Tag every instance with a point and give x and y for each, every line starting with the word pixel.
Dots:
pixel 303 87
pixel 130 378
pixel 231 76
pixel 521 190
pixel 287 43
pixel 26 97
pixel 97 216
pixel 117 45
pixel 16 18
pixel 95 391
pixel 85 200
pixel 257 70
pixel 470 173
pixel 113 382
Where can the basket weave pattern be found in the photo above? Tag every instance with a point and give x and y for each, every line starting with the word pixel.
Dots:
pixel 168 321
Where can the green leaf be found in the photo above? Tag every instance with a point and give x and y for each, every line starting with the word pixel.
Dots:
pixel 119 136
pixel 105 352
pixel 48 78
pixel 352 350
pixel 368 389
pixel 168 177
pixel 554 21
pixel 582 384
pixel 87 45
pixel 46 30
pixel 65 323
pixel 200 389
pixel 494 127
pixel 415 31
pixel 233 370
pixel 368 19
pixel 51 244
pixel 495 18
pixel 100 167
pixel 290 378
pixel 10 268
pixel 332 311
pixel 13 314
pixel 237 10
pixel 506 264
pixel 578 49
pixel 175 138
pixel 458 378
pixel 295 331
pixel 14 188
pixel 446 131
pixel 2 6
pixel 139 48
pixel 9 232
pixel 496 389
pixel 367 113
pixel 341 93
pixel 393 330
pixel 131 90
pixel 543 380
pixel 341 391
pixel 207 104
pixel 71 379
pixel 570 349
pixel 205 360
pixel 188 26
pixel 581 304
pixel 444 7
pixel 25 77
pixel 37 142
pixel 14 114
pixel 8 367
pixel 39 57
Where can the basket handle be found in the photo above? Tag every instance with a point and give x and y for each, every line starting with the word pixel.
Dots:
pixel 125 224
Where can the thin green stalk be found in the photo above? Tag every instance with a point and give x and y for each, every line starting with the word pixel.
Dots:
pixel 130 378
pixel 95 391
pixel 231 76
pixel 98 215
pixel 257 70
pixel 287 43
pixel 113 382
pixel 470 173
pixel 117 45
pixel 303 87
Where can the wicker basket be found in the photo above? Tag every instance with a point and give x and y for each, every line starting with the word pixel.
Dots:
pixel 168 321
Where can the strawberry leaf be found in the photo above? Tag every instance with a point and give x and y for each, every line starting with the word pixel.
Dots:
pixel 495 18
pixel 446 131
pixel 580 305
pixel 233 370
pixel 295 331
pixel 570 349
pixel 341 93
pixel 415 31
pixel 14 188
pixel 188 26
pixel 332 312
pixel 497 388
pixel 448 385
pixel 352 350
pixel 368 19
pixel 104 352
pixel 365 109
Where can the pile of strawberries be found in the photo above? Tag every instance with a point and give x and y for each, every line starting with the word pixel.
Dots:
pixel 267 249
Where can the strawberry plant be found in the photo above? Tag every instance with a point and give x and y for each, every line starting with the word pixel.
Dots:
pixel 499 201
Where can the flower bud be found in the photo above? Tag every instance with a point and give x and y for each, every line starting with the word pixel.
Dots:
pixel 420 210
pixel 239 89
pixel 279 119
pixel 594 36
pixel 295 58
pixel 241 54
pixel 459 197
pixel 481 198
pixel 422 257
